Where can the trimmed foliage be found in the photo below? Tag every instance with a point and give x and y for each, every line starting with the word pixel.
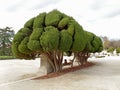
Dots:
pixel 50 39
pixel 94 43
pixel 26 31
pixel 19 37
pixel 53 31
pixel 71 29
pixel 29 23
pixel 53 18
pixel 36 34
pixel 39 21
pixel 65 41
pixel 23 46
pixel 34 45
pixel 80 41
pixel 63 22
pixel 97 44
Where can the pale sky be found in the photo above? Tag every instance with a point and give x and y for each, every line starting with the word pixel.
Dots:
pixel 101 17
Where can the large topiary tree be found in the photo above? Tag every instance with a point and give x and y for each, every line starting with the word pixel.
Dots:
pixel 50 35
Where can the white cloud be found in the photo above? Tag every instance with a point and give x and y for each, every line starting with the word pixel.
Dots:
pixel 101 17
pixel 109 27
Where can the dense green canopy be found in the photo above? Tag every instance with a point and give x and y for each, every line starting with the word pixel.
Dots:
pixel 53 31
pixel 94 43
pixel 50 39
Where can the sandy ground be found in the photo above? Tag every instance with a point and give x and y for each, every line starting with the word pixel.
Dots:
pixel 105 75
pixel 14 70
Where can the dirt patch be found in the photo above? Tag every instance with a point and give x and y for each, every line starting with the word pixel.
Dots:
pixel 64 71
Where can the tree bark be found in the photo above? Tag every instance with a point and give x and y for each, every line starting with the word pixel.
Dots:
pixel 45 66
pixel 54 59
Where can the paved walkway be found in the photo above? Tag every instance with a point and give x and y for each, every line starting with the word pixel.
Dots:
pixel 105 75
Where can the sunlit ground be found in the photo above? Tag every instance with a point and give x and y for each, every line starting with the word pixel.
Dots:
pixel 105 75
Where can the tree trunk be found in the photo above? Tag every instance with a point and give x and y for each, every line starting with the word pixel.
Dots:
pixel 80 58
pixel 45 66
pixel 87 55
pixel 52 61
pixel 58 58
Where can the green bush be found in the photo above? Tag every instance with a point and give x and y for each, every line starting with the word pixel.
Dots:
pixel 118 49
pixel 111 49
pixel 6 57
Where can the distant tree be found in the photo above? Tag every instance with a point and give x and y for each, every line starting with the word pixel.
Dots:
pixel 115 43
pixel 6 36
pixel 50 35
pixel 118 49
pixel 111 49
pixel 106 42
